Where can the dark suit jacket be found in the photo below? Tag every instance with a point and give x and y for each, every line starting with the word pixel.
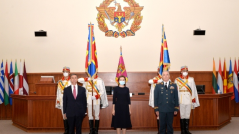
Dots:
pixel 74 107
pixel 166 100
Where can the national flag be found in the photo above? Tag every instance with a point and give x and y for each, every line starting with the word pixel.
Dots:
pixel 16 80
pixel 21 79
pixel 2 84
pixel 224 76
pixel 121 70
pixel 6 86
pixel 219 79
pixel 11 87
pixel 91 62
pixel 25 82
pixel 230 81
pixel 214 80
pixel 164 62
pixel 235 83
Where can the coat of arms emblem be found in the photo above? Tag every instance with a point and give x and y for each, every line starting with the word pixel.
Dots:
pixel 119 18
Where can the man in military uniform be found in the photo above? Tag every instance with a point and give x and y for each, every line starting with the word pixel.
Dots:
pixel 188 98
pixel 62 84
pixel 99 97
pixel 166 103
pixel 153 83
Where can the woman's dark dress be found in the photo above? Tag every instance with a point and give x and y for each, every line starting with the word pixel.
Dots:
pixel 121 99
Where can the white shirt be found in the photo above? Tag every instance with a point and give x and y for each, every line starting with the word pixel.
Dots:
pixel 72 88
pixel 165 83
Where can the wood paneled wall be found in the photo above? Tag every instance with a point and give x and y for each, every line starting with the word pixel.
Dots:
pixel 138 82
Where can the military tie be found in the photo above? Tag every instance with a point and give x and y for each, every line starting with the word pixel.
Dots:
pixel 166 85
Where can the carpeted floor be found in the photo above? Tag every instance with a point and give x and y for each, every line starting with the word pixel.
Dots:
pixel 6 127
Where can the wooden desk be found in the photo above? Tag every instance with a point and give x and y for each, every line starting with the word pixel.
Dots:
pixel 38 113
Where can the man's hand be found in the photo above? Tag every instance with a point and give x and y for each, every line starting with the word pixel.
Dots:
pixel 175 112
pixel 93 98
pixel 64 116
pixel 157 113
pixel 113 112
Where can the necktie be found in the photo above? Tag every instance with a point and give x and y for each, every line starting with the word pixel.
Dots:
pixel 166 85
pixel 74 92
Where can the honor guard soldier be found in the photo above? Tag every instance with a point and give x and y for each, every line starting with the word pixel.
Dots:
pixel 62 84
pixel 188 98
pixel 153 83
pixel 166 103
pixel 99 97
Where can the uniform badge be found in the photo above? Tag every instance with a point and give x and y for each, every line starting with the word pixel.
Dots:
pixel 171 87
pixel 161 87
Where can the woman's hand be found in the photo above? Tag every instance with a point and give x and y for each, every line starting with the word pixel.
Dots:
pixel 113 112
pixel 129 112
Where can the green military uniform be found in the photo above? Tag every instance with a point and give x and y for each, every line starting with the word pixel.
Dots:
pixel 166 102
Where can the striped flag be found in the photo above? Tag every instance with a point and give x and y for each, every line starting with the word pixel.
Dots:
pixel 219 79
pixel 11 87
pixel 16 80
pixel 2 84
pixel 214 80
pixel 230 81
pixel 224 76
pixel 21 79
pixel 91 62
pixel 25 82
pixel 164 62
pixel 121 68
pixel 235 83
pixel 6 86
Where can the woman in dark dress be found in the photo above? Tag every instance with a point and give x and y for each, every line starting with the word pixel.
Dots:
pixel 121 107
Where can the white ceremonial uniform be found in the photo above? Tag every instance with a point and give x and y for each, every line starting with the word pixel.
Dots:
pixel 59 93
pixel 152 87
pixel 96 103
pixel 186 98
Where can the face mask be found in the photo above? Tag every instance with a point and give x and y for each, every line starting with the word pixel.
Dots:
pixel 185 73
pixel 65 74
pixel 121 82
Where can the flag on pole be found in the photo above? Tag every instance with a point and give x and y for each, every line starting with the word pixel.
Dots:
pixel 2 84
pixel 219 78
pixel 164 62
pixel 214 80
pixel 91 62
pixel 21 79
pixel 6 86
pixel 230 81
pixel 11 87
pixel 224 77
pixel 25 82
pixel 121 70
pixel 16 80
pixel 235 83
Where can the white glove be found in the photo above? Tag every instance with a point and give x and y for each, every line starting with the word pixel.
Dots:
pixel 81 80
pixel 93 98
pixel 151 81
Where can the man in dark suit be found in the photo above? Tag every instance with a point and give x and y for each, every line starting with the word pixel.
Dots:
pixel 74 105
pixel 166 103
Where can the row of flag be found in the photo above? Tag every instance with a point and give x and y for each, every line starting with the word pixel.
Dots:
pixel 226 83
pixel 12 83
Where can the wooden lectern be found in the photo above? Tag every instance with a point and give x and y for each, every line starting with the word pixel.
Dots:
pixel 45 86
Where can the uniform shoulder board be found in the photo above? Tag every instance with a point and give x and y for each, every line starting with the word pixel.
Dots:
pixel 162 83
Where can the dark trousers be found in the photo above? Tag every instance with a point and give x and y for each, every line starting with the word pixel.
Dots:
pixel 166 119
pixel 73 122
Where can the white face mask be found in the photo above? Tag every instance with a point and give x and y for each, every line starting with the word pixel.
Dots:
pixel 65 74
pixel 185 73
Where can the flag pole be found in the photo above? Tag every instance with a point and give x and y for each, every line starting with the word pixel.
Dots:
pixel 91 76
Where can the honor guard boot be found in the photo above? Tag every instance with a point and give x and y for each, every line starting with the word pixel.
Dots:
pixel 182 125
pixel 91 124
pixel 66 127
pixel 96 126
pixel 187 126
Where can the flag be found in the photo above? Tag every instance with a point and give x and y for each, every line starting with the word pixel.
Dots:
pixel 6 86
pixel 219 78
pixel 121 68
pixel 224 76
pixel 230 81
pixel 2 84
pixel 164 62
pixel 16 80
pixel 91 62
pixel 235 83
pixel 25 82
pixel 11 87
pixel 214 80
pixel 21 79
